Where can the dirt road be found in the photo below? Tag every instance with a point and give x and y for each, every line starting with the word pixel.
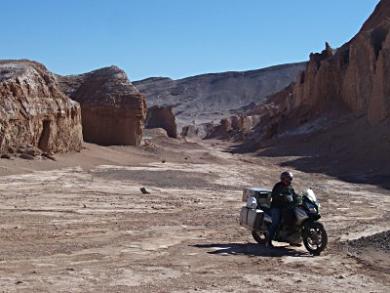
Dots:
pixel 79 229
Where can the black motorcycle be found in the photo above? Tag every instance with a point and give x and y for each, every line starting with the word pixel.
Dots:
pixel 298 224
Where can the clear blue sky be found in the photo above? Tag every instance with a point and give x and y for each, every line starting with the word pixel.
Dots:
pixel 174 38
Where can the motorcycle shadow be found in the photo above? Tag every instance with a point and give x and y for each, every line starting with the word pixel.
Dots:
pixel 251 249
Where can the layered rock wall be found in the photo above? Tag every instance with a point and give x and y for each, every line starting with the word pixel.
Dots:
pixel 355 76
pixel 113 111
pixel 235 126
pixel 162 117
pixel 34 112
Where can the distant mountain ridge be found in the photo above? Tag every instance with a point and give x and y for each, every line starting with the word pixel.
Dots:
pixel 206 97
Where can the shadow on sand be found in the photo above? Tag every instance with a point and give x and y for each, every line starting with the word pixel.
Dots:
pixel 354 162
pixel 347 169
pixel 250 249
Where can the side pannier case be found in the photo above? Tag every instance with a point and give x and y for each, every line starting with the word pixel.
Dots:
pixel 251 219
pixel 255 219
pixel 244 216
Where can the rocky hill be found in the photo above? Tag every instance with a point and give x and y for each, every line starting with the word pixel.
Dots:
pixel 349 80
pixel 35 115
pixel 113 110
pixel 337 113
pixel 352 79
pixel 207 97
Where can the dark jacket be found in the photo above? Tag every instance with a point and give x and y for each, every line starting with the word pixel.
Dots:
pixel 283 196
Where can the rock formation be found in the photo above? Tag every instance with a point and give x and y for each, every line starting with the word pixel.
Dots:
pixel 189 131
pixel 355 76
pixel 199 130
pixel 34 113
pixel 235 126
pixel 204 98
pixel 162 117
pixel 154 132
pixel 113 111
pixel 336 83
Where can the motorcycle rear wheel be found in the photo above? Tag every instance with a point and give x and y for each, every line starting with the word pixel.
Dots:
pixel 260 237
pixel 315 238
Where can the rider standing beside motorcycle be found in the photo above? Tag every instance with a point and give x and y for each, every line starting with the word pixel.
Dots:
pixel 283 196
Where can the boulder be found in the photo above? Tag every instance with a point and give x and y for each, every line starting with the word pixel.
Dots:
pixel 34 111
pixel 236 126
pixel 198 130
pixel 5 156
pixel 162 117
pixel 189 131
pixel 154 132
pixel 27 157
pixel 113 111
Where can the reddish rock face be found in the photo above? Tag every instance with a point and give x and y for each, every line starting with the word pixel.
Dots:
pixel 34 112
pixel 162 117
pixel 351 79
pixel 189 131
pixel 355 75
pixel 235 126
pixel 113 111
pixel 380 14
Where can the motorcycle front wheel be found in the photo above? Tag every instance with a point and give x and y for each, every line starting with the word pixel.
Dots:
pixel 315 238
pixel 260 237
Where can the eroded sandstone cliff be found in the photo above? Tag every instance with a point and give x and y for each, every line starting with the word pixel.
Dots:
pixel 162 117
pixel 113 111
pixel 34 112
pixel 355 76
pixel 336 83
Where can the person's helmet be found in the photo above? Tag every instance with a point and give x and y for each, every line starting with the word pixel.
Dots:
pixel 286 175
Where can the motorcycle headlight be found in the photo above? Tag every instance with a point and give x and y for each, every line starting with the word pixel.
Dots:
pixel 311 207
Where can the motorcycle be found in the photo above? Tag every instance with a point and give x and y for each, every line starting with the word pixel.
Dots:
pixel 299 224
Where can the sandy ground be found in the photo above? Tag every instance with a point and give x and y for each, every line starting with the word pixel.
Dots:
pixel 81 224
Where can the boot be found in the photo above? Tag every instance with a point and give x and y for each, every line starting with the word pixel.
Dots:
pixel 268 242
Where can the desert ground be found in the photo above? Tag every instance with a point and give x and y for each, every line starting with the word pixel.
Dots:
pixel 81 224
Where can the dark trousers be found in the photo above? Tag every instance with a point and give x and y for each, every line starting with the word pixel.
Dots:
pixel 276 214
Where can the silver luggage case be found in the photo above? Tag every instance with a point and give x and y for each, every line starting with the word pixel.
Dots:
pixel 251 219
